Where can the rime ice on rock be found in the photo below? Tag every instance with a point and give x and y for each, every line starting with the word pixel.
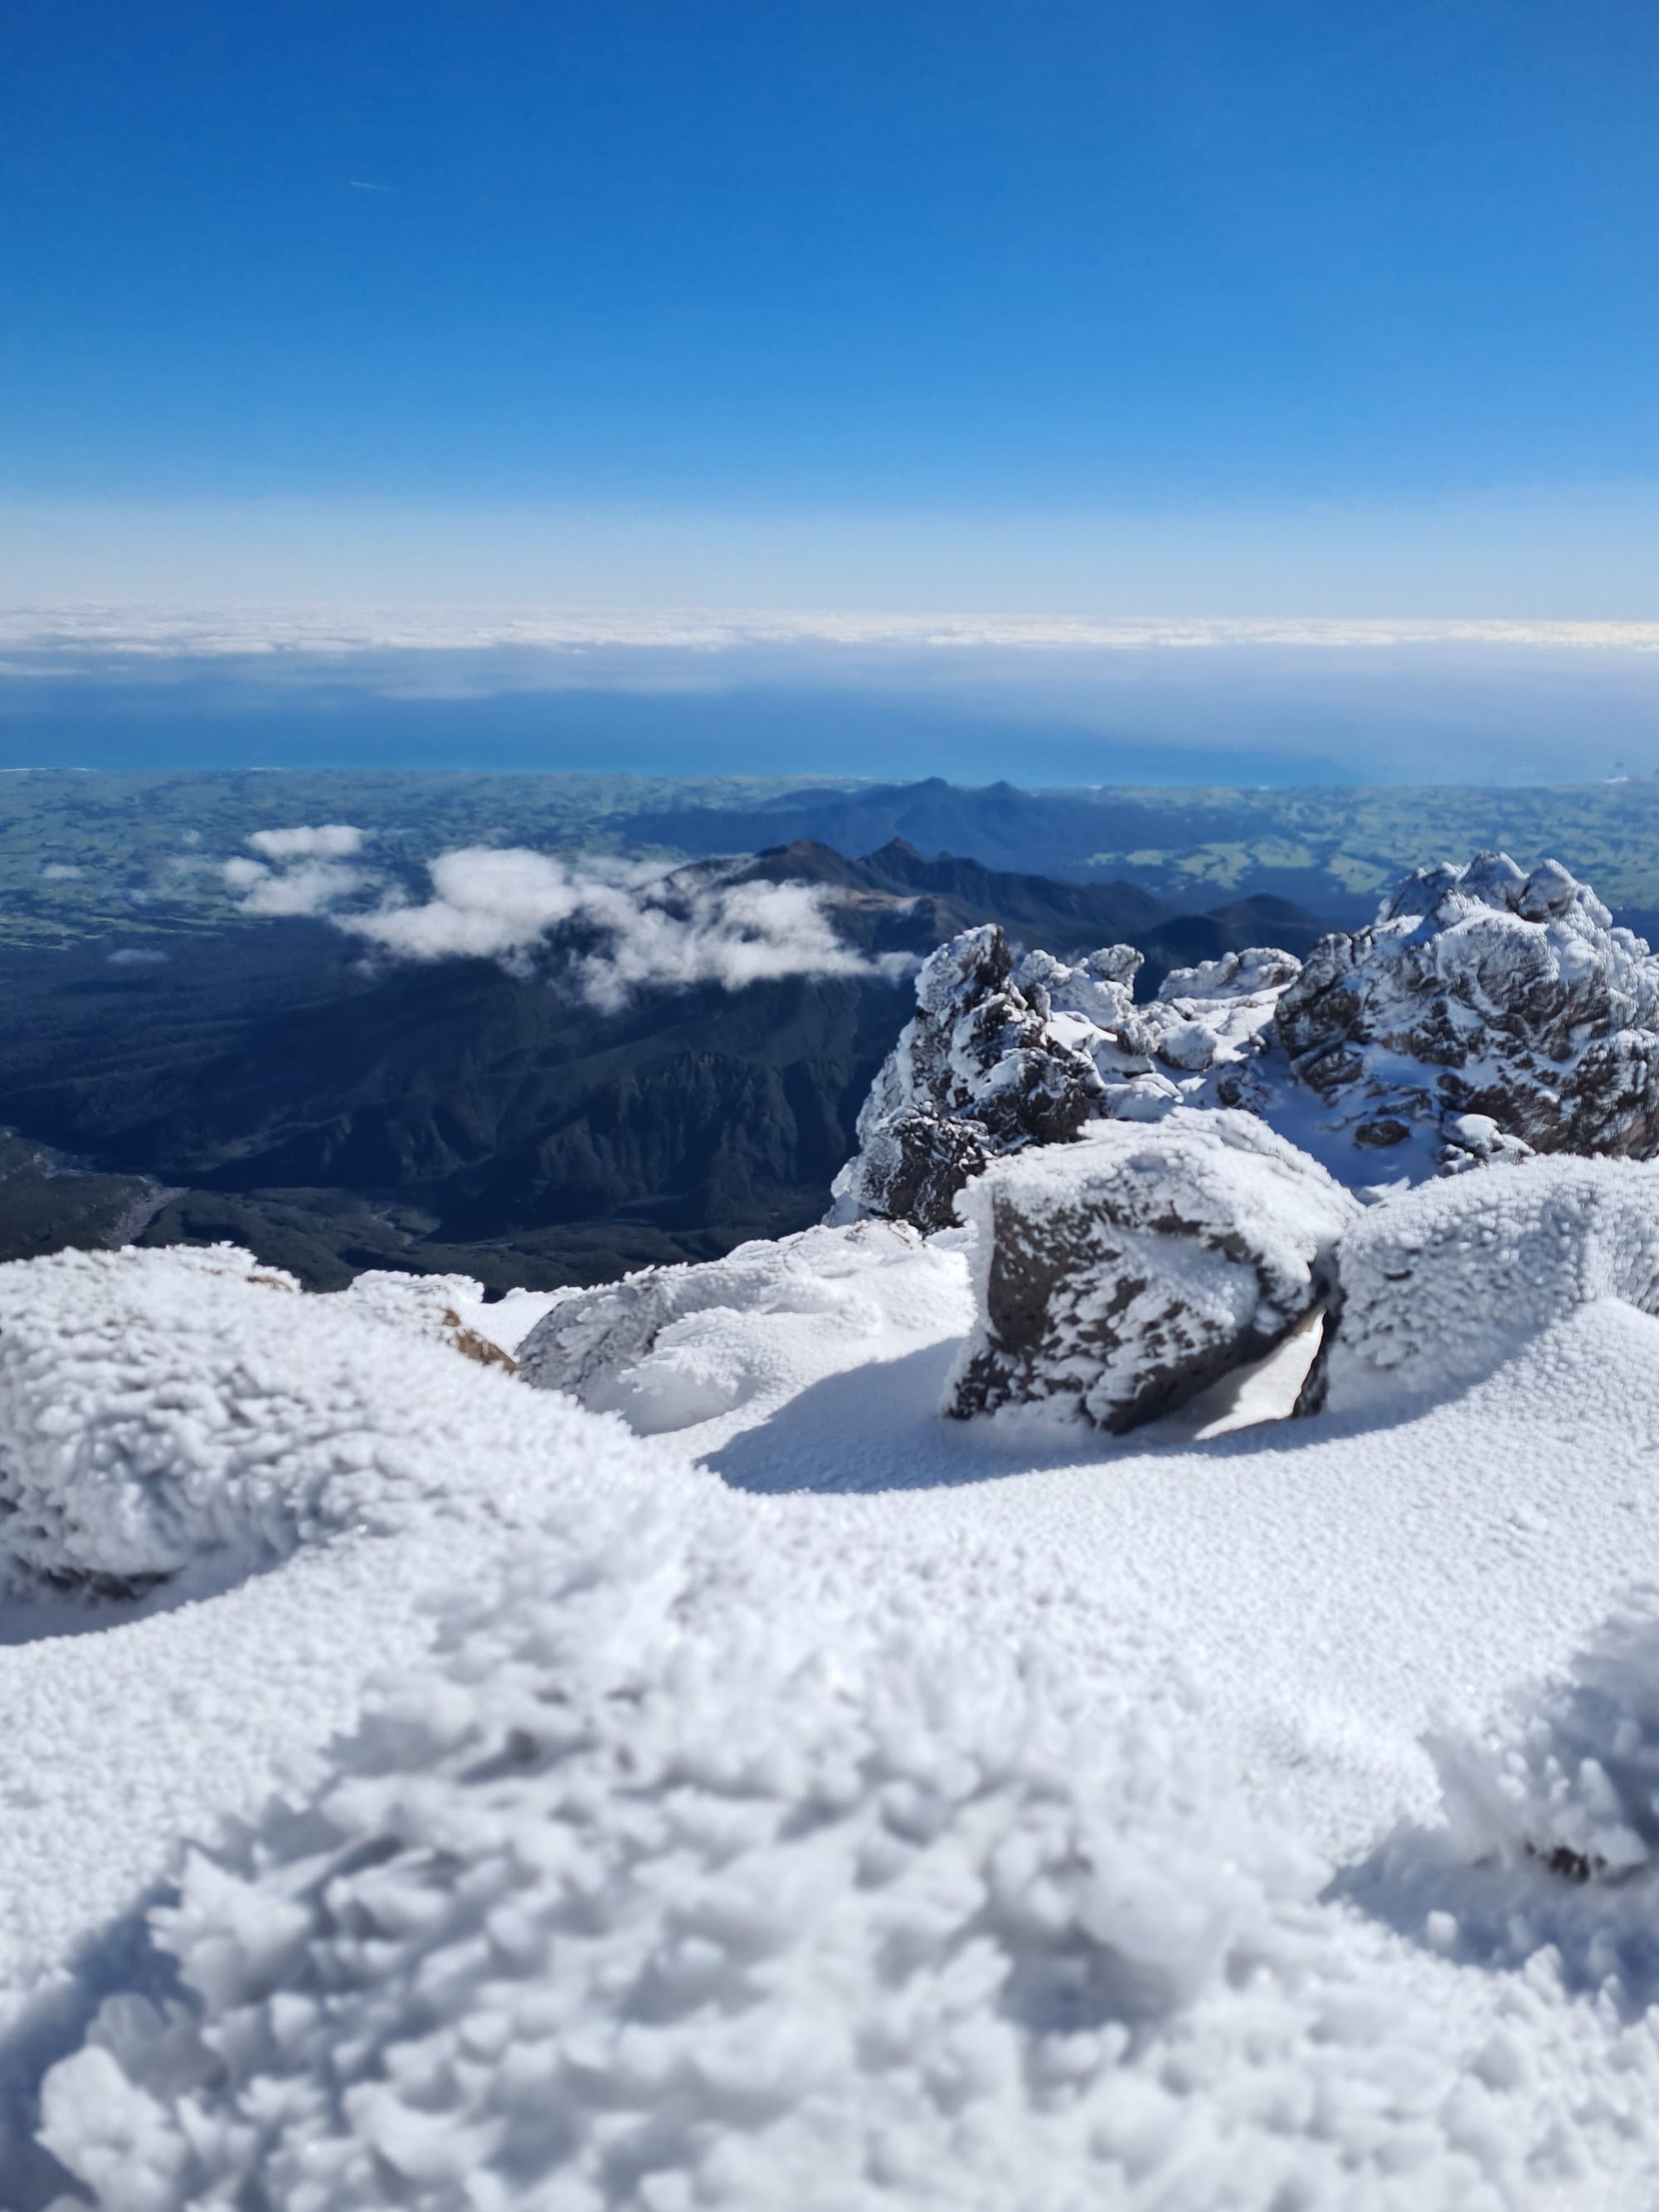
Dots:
pixel 1002 1055
pixel 1440 1285
pixel 1483 993
pixel 1117 1277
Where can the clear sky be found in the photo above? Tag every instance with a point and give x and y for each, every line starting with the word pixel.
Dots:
pixel 1186 307
pixel 1196 260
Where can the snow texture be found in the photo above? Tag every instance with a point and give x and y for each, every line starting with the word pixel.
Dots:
pixel 1483 991
pixel 1117 1277
pixel 445 1309
pixel 1440 1285
pixel 1570 1775
pixel 827 1945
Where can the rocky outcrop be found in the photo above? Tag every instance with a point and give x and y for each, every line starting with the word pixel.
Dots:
pixel 1482 993
pixel 1117 1277
pixel 1005 1054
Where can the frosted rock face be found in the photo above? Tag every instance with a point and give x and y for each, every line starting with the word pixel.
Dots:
pixel 1481 992
pixel 1002 1055
pixel 1440 1285
pixel 1117 1277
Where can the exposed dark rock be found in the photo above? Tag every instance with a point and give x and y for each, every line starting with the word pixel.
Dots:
pixel 1117 1277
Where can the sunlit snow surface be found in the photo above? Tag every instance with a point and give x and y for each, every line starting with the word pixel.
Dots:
pixel 885 1811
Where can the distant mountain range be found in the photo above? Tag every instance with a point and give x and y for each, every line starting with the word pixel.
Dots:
pixel 89 853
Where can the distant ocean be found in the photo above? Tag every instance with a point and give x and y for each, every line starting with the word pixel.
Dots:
pixel 73 722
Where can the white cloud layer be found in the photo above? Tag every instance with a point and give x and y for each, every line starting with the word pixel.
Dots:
pixel 635 927
pixel 302 872
pixel 210 632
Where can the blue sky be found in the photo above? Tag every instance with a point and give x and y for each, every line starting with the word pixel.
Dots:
pixel 1276 307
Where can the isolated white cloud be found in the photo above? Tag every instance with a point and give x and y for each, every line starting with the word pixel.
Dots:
pixel 329 841
pixel 58 872
pixel 487 904
pixel 311 887
pixel 307 876
pixel 654 932
pixel 632 926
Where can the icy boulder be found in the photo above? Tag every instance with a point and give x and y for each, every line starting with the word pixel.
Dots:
pixel 1117 1277
pixel 1003 1054
pixel 1439 1285
pixel 669 1347
pixel 981 1069
pixel 160 1410
pixel 1481 992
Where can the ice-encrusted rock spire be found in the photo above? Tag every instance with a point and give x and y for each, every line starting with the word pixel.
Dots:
pixel 1484 991
pixel 1003 1054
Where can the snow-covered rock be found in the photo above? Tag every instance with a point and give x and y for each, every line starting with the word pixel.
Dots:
pixel 1119 1276
pixel 444 1308
pixel 669 1347
pixel 1440 1285
pixel 162 1409
pixel 1481 991
pixel 1001 1055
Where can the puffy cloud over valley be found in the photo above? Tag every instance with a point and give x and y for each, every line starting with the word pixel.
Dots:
pixel 626 926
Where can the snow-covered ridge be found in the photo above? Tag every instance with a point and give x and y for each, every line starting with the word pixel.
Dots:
pixel 1485 1013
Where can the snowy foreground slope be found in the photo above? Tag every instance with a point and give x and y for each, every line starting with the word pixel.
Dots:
pixel 718 1777
pixel 1048 1823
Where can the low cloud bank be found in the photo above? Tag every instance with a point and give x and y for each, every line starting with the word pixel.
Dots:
pixel 329 841
pixel 622 926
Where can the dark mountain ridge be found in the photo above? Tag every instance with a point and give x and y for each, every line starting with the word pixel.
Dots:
pixel 336 1113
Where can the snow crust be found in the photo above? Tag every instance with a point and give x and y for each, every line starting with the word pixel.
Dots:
pixel 1569 1775
pixel 1116 1277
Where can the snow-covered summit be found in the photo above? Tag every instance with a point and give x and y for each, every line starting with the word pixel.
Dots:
pixel 1487 1014
pixel 1019 1837
pixel 1002 1055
